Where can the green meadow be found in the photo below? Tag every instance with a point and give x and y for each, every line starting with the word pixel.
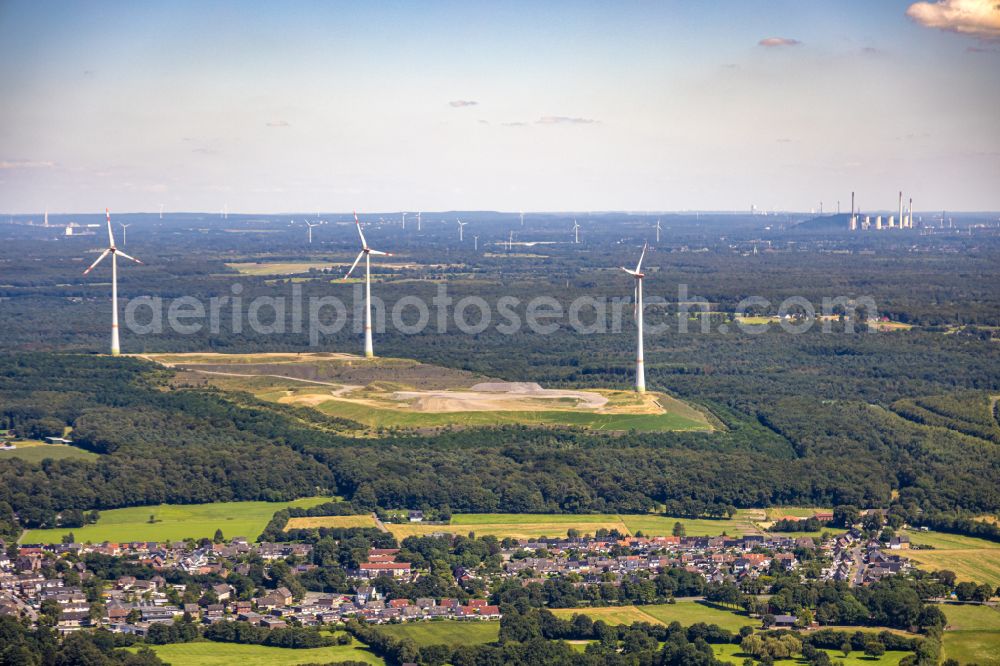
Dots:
pixel 445 632
pixel 36 451
pixel 397 418
pixel 686 612
pixel 207 653
pixel 174 522
pixel 972 635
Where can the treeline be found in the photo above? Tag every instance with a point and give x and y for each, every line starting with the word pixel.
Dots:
pixel 22 645
pixel 289 637
pixel 562 593
pixel 958 524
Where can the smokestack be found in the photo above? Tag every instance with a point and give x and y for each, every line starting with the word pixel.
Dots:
pixel 901 209
pixel 909 218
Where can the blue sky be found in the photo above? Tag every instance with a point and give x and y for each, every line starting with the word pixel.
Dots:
pixel 269 107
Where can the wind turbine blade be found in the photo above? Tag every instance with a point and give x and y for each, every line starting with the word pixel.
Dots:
pixel 122 254
pixel 379 252
pixel 355 264
pixel 357 222
pixel 638 266
pixel 111 238
pixel 103 254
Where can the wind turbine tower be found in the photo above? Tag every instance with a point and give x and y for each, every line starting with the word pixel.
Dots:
pixel 576 232
pixel 114 252
pixel 310 226
pixel 404 221
pixel 161 211
pixel 418 220
pixel 657 231
pixel 366 252
pixel 475 239
pixel 522 218
pixel 637 275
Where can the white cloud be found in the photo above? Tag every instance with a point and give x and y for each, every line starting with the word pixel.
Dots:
pixel 978 18
pixel 564 120
pixel 25 164
pixel 773 42
pixel 459 103
pixel 278 123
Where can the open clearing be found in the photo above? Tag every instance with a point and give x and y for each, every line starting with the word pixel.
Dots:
pixel 207 653
pixel 684 611
pixel 307 522
pixel 445 632
pixel 970 558
pixel 402 393
pixel 33 450
pixel 533 525
pixel 972 634
pixel 175 522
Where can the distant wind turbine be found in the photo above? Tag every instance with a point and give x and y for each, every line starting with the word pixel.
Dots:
pixel 476 240
pixel 404 221
pixel 366 252
pixel 522 218
pixel 657 231
pixel 637 274
pixel 461 226
pixel 124 236
pixel 576 232
pixel 510 241
pixel 418 220
pixel 161 211
pixel 114 252
pixel 310 225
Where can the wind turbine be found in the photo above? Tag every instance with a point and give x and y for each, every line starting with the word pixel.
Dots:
pixel 522 218
pixel 418 220
pixel 640 371
pixel 461 226
pixel 124 233
pixel 161 211
pixel 366 252
pixel 310 225
pixel 657 231
pixel 510 241
pixel 114 252
pixel 576 232
pixel 476 240
pixel 404 221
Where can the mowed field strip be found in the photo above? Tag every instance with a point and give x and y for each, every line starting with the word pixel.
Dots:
pixel 308 522
pixel 174 522
pixel 402 393
pixel 970 558
pixel 208 653
pixel 35 451
pixel 686 612
pixel 445 632
pixel 533 525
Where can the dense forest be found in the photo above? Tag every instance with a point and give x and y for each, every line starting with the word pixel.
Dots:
pixel 163 444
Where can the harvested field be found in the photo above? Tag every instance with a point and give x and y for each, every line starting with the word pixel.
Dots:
pixel 308 522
